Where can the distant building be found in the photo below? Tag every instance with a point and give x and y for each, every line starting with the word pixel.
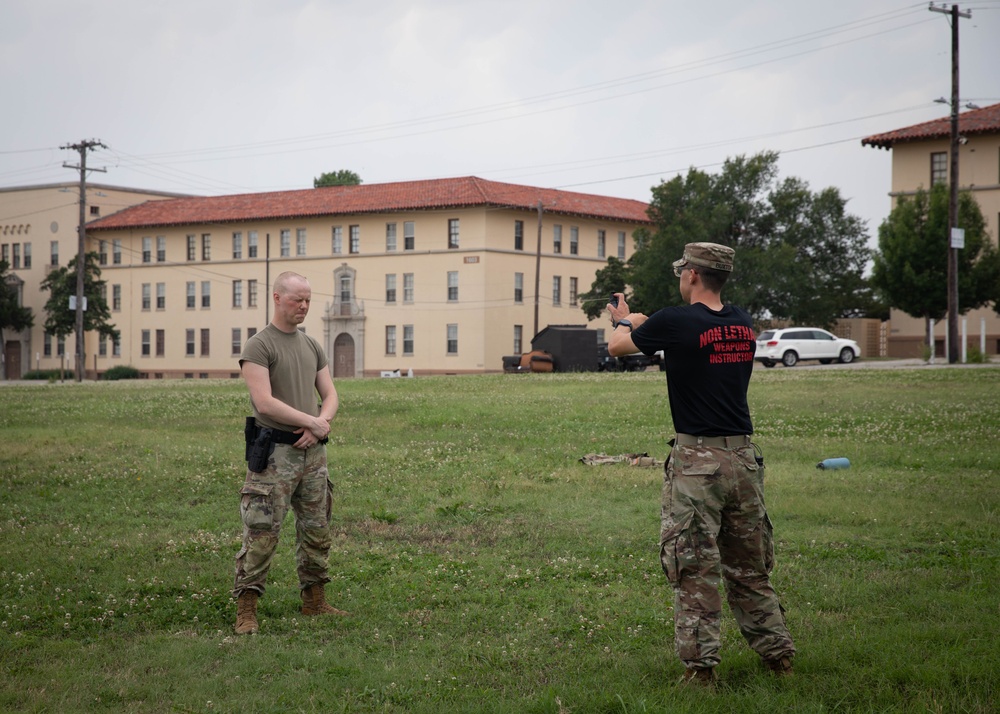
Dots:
pixel 38 232
pixel 920 159
pixel 431 276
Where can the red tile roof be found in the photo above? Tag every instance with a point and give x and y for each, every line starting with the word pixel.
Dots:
pixel 976 121
pixel 456 193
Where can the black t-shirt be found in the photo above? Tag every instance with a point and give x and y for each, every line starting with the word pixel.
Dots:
pixel 709 360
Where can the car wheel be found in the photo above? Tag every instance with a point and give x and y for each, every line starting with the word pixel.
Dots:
pixel 846 355
pixel 790 359
pixel 768 363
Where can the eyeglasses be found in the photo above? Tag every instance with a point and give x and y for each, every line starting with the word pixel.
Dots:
pixel 680 269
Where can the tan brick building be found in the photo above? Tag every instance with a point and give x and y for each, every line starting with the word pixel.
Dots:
pixel 38 231
pixel 920 159
pixel 431 276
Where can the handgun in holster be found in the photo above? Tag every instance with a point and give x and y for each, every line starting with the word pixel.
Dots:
pixel 259 446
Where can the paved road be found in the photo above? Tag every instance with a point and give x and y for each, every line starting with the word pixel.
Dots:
pixel 939 363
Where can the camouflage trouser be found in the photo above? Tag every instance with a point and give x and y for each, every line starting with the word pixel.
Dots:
pixel 296 479
pixel 714 524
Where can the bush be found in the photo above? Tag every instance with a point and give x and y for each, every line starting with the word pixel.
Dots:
pixel 974 356
pixel 122 372
pixel 48 374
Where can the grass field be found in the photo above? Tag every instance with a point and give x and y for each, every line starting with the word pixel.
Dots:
pixel 485 567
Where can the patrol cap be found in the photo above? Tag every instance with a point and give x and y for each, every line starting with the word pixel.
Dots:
pixel 707 255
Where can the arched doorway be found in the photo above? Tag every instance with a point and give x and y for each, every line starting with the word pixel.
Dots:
pixel 343 356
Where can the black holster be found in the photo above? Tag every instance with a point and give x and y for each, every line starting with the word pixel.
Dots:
pixel 259 446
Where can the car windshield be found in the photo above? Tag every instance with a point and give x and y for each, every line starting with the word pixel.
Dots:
pixel 765 335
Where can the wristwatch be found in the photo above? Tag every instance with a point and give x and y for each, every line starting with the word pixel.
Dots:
pixel 627 323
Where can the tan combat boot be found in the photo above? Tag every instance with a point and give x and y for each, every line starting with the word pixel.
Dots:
pixel 695 677
pixel 780 667
pixel 246 613
pixel 314 602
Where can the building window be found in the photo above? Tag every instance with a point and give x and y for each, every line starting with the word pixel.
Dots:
pixel 189 343
pixel 161 342
pixel 939 167
pixel 116 348
pixel 47 345
pixel 161 249
pixel 95 210
pixel 574 240
pixel 452 286
pixel 390 237
pixel 251 293
pixel 102 346
pixel 300 241
pixel 286 242
pixel 61 346
pixel 206 293
pixel 452 233
pixel 237 293
pixel 600 243
pixel 251 331
pixel 557 239
pixel 453 339
pixel 556 289
pixel 354 232
pixel 518 342
pixel 338 240
pixel 190 295
pixel 161 296
pixel 237 345
pixel 407 287
pixel 572 291
pixel 409 235
pixel 205 341
pixel 116 297
pixel 518 235
pixel 116 252
pixel 407 339
pixel 251 244
pixel 147 249
pixel 16 265
pixel 146 296
pixel 27 255
pixel 145 343
pixel 390 287
pixel 192 247
pixel 621 245
pixel 206 246
pixel 518 287
pixel 390 339
pixel 102 252
pixel 237 246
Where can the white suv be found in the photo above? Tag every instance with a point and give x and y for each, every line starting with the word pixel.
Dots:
pixel 792 344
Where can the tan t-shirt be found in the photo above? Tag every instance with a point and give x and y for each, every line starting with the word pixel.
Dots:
pixel 292 361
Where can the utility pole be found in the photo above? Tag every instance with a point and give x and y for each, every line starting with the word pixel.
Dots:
pixel 83 147
pixel 538 265
pixel 953 185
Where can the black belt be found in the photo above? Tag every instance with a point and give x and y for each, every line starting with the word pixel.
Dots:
pixel 719 442
pixel 289 437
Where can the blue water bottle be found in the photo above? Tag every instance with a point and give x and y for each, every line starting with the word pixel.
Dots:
pixel 838 463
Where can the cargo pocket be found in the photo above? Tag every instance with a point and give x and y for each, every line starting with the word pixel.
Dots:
pixel 255 506
pixel 677 552
pixel 767 543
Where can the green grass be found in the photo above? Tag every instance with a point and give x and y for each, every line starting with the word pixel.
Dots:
pixel 485 567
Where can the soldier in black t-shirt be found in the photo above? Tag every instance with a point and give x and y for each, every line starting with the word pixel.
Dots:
pixel 713 522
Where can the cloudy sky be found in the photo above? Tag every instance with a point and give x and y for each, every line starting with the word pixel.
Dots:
pixel 213 97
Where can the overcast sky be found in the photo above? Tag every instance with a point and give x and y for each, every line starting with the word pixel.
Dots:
pixel 213 97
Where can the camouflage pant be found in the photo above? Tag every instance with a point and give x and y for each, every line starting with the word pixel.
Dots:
pixel 714 525
pixel 296 479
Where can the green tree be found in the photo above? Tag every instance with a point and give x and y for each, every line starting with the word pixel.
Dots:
pixel 610 279
pixel 343 177
pixel 911 267
pixel 800 255
pixel 13 315
pixel 61 283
